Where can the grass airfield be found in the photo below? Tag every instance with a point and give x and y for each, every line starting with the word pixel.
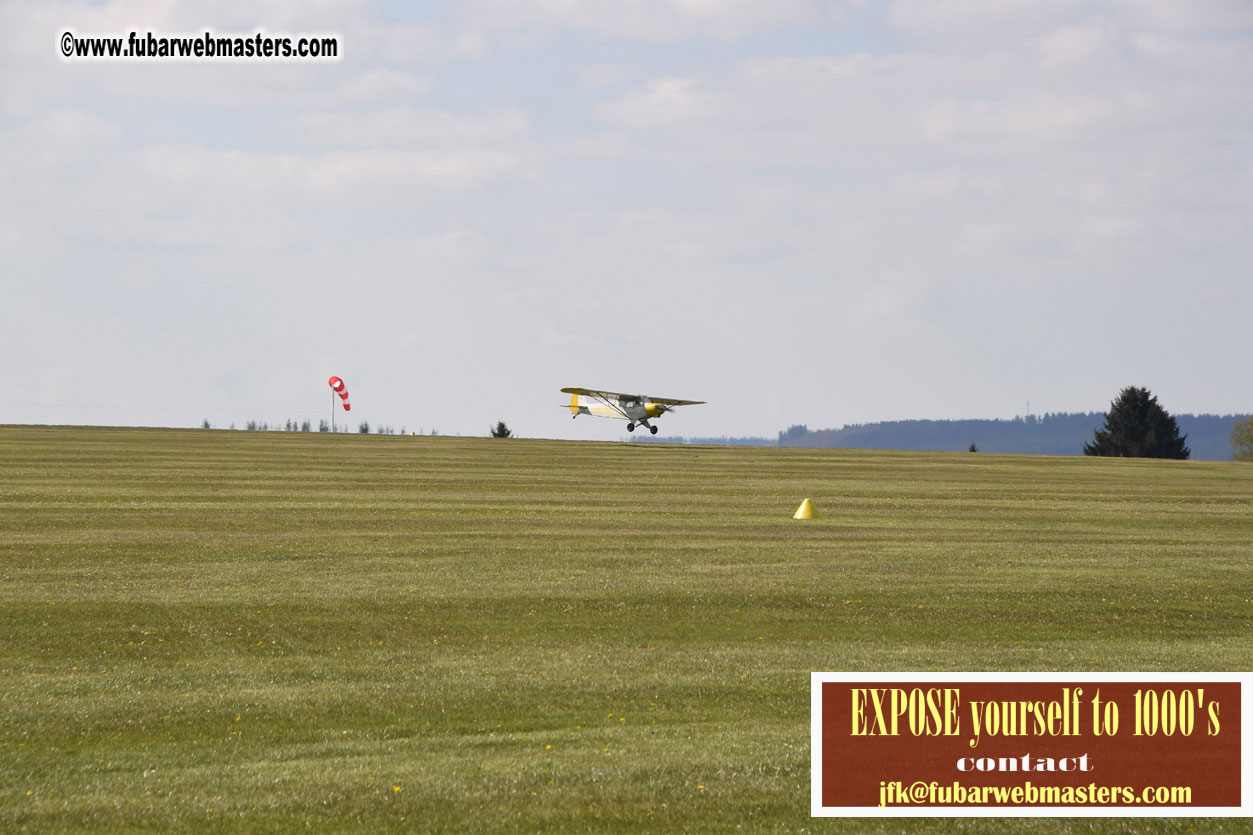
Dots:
pixel 244 631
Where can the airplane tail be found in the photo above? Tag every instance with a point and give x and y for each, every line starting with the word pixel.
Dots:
pixel 574 404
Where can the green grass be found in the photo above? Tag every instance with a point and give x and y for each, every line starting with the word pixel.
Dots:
pixel 241 631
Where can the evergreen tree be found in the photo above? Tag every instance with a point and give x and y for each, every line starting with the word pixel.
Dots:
pixel 1242 439
pixel 1136 426
pixel 501 431
pixel 793 433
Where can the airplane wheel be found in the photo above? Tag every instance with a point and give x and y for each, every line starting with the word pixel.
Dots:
pixel 630 427
pixel 653 429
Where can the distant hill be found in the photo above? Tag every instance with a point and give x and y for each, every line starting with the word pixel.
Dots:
pixel 1050 434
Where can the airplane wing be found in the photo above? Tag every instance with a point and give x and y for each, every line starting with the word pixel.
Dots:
pixel 605 395
pixel 637 398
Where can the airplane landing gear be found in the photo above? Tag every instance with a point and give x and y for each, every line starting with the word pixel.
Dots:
pixel 653 429
pixel 630 426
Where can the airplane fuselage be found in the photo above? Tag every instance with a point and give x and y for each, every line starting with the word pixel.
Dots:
pixel 630 410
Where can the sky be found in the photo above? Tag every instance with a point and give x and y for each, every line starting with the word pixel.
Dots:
pixel 817 212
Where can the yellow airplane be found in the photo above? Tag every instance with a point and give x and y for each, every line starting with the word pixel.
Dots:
pixel 633 408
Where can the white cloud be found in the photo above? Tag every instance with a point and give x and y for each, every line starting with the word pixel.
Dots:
pixel 411 128
pixel 1219 17
pixel 992 24
pixel 656 20
pixel 605 75
pixel 980 20
pixel 292 175
pixel 373 88
pixel 661 103
pixel 406 43
pixel 1072 44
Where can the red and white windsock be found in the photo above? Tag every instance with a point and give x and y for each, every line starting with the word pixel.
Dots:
pixel 337 385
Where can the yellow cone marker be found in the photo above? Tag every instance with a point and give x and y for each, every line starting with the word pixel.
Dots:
pixel 806 511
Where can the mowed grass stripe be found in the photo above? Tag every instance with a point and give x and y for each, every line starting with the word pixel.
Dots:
pixel 263 631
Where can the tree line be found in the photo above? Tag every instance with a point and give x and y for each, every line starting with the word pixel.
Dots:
pixel 363 427
pixel 1206 437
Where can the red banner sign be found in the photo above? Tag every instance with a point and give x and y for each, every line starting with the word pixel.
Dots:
pixel 1056 744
